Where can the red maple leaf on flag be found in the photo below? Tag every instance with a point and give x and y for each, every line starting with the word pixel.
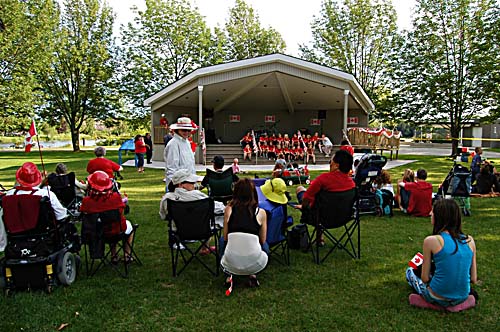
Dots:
pixel 28 142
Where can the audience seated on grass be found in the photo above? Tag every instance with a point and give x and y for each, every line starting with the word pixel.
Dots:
pixel 182 188
pixel 245 231
pixel 219 182
pixel 486 181
pixel 420 195
pixel 449 261
pixel 402 197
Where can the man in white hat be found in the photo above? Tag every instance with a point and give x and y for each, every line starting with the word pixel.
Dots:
pixel 178 153
pixel 182 188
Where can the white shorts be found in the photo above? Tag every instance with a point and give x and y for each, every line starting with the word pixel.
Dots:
pixel 129 227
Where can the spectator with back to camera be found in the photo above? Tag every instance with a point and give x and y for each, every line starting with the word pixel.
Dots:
pixel 178 153
pixel 245 231
pixel 451 253
pixel 420 195
pixel 336 180
pixel 101 198
pixel 102 164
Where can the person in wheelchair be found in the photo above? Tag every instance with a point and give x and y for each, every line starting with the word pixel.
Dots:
pixel 60 172
pixel 337 179
pixel 28 180
pixel 101 198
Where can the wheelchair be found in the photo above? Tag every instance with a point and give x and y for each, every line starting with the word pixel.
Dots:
pixel 40 253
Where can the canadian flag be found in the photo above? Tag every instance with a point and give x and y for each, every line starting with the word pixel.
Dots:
pixel 416 261
pixel 28 141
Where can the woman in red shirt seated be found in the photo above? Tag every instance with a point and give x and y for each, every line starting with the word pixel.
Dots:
pixel 101 198
pixel 247 139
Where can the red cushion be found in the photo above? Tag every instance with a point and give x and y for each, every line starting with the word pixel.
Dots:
pixel 20 212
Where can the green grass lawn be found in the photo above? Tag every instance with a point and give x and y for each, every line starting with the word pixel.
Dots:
pixel 343 294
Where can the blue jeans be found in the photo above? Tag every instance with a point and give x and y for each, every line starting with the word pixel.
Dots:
pixel 422 289
pixel 140 159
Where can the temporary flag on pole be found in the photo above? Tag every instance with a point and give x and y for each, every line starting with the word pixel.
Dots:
pixel 203 145
pixel 28 141
pixel 255 147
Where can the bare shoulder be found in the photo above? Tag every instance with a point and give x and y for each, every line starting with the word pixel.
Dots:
pixel 471 243
pixel 433 242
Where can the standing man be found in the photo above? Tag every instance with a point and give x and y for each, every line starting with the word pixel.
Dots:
pixel 149 147
pixel 178 153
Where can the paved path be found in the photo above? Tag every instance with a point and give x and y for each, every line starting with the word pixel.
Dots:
pixel 405 149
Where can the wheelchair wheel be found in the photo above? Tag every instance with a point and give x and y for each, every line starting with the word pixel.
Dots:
pixel 308 181
pixel 68 268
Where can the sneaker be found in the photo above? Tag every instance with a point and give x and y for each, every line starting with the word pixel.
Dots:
pixel 181 247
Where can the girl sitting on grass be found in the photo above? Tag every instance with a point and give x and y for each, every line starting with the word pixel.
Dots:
pixel 452 253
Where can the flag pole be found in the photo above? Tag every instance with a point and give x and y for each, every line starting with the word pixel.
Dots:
pixel 40 152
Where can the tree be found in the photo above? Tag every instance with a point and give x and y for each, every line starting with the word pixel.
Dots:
pixel 245 36
pixel 356 37
pixel 447 66
pixel 78 81
pixel 168 40
pixel 25 49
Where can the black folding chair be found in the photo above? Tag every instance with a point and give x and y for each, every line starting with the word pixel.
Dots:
pixel 334 210
pixel 64 187
pixel 99 229
pixel 220 185
pixel 188 222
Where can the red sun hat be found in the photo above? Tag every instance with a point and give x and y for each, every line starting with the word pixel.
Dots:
pixel 100 181
pixel 28 175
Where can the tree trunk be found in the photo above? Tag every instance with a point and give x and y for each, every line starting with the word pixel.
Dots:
pixel 454 142
pixel 75 139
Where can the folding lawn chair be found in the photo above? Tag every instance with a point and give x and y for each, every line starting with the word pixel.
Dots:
pixel 99 229
pixel 220 185
pixel 334 210
pixel 191 226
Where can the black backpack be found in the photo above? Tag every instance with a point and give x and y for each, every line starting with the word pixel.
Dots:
pixel 297 237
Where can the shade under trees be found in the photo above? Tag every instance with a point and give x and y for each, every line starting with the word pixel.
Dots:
pixel 447 67
pixel 357 36
pixel 78 82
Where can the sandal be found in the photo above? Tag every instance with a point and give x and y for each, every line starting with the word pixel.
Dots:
pixel 129 259
pixel 207 251
pixel 115 260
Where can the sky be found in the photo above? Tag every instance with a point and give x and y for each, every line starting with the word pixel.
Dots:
pixel 291 18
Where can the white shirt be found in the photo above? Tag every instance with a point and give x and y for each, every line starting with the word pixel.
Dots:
pixel 326 141
pixel 183 195
pixel 60 211
pixel 178 155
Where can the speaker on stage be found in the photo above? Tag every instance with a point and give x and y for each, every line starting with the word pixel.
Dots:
pixel 322 114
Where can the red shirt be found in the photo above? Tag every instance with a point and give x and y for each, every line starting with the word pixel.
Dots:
pixel 140 147
pixel 103 164
pixel 101 204
pixel 348 148
pixel 332 181
pixel 420 204
pixel 247 149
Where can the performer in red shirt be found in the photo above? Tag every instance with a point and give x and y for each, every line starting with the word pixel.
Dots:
pixel 247 139
pixel 247 152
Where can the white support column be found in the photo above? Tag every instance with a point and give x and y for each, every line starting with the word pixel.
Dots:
pixel 346 104
pixel 200 107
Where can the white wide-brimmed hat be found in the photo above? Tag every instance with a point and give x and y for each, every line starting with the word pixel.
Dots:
pixel 184 123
